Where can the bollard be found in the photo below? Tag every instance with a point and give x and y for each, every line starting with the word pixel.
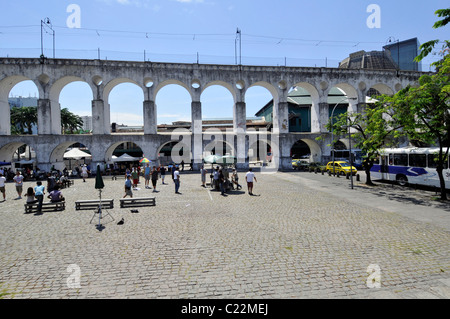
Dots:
pixel 347 176
pixel 357 178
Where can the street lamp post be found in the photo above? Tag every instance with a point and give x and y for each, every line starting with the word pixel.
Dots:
pixel 46 22
pixel 332 127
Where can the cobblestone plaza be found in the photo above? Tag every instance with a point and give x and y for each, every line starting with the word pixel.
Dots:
pixel 303 235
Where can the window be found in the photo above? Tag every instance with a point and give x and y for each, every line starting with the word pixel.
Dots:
pixel 418 160
pixel 401 159
pixel 432 161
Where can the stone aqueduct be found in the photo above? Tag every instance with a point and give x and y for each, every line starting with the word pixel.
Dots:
pixel 52 75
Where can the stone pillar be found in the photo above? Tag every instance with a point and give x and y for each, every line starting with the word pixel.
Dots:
pixel 240 130
pixel 280 117
pixel 49 117
pixel 5 118
pixel 150 121
pixel 197 131
pixel 239 117
pixel 324 118
pixel 98 118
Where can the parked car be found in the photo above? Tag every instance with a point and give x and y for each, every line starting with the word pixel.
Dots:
pixel 341 167
pixel 317 166
pixel 300 165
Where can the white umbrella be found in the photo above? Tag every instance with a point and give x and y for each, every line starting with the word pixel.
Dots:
pixel 76 153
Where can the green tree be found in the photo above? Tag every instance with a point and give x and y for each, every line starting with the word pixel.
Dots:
pixel 23 118
pixel 372 130
pixel 70 122
pixel 423 112
pixel 427 47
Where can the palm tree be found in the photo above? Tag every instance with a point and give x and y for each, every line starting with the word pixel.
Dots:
pixel 70 122
pixel 23 118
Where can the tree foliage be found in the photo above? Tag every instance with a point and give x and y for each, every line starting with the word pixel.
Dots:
pixel 427 47
pixel 424 113
pixel 24 118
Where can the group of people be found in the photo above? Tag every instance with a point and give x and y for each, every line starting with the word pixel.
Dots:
pixel 150 173
pixel 34 194
pixel 220 179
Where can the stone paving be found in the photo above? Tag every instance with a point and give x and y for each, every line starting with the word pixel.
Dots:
pixel 302 236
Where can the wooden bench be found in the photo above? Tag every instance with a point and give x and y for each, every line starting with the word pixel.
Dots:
pixel 47 206
pixel 137 202
pixel 67 183
pixel 93 204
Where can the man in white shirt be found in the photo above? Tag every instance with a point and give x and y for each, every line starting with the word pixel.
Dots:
pixel 19 184
pixel 176 180
pixel 249 177
pixel 2 185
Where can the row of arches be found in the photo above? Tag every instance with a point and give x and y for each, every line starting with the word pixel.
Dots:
pixel 20 155
pixel 125 99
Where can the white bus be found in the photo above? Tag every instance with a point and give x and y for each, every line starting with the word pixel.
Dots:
pixel 410 165
pixel 344 155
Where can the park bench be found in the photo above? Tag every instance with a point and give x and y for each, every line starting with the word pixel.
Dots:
pixel 137 202
pixel 93 204
pixel 67 183
pixel 48 206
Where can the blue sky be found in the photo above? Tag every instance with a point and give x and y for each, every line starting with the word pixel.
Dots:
pixel 302 33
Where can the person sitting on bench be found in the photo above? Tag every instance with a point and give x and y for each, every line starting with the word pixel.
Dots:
pixel 56 195
pixel 30 196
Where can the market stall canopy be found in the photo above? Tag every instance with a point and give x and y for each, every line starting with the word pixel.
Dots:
pixel 76 153
pixel 126 158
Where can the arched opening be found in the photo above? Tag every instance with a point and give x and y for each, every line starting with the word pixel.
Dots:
pixel 300 106
pixel 257 98
pixel 125 102
pixel 75 100
pixel 18 156
pixel 173 103
pixel 22 101
pixel 217 106
pixel 300 150
pixel 70 157
pixel 174 152
pixel 123 155
pixel 260 153
pixel 306 149
pixel 338 102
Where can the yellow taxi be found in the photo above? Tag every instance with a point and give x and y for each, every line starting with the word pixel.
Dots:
pixel 341 167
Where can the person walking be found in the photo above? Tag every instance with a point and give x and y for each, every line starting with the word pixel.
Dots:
pixel 162 170
pixel 147 172
pixel 154 174
pixel 39 191
pixel 135 177
pixel 222 182
pixel 250 177
pixel 216 178
pixel 176 180
pixel 84 172
pixel 128 186
pixel 235 179
pixel 203 172
pixel 2 185
pixel 19 184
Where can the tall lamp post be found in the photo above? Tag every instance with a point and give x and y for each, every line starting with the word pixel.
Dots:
pixel 46 22
pixel 332 126
pixel 350 150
